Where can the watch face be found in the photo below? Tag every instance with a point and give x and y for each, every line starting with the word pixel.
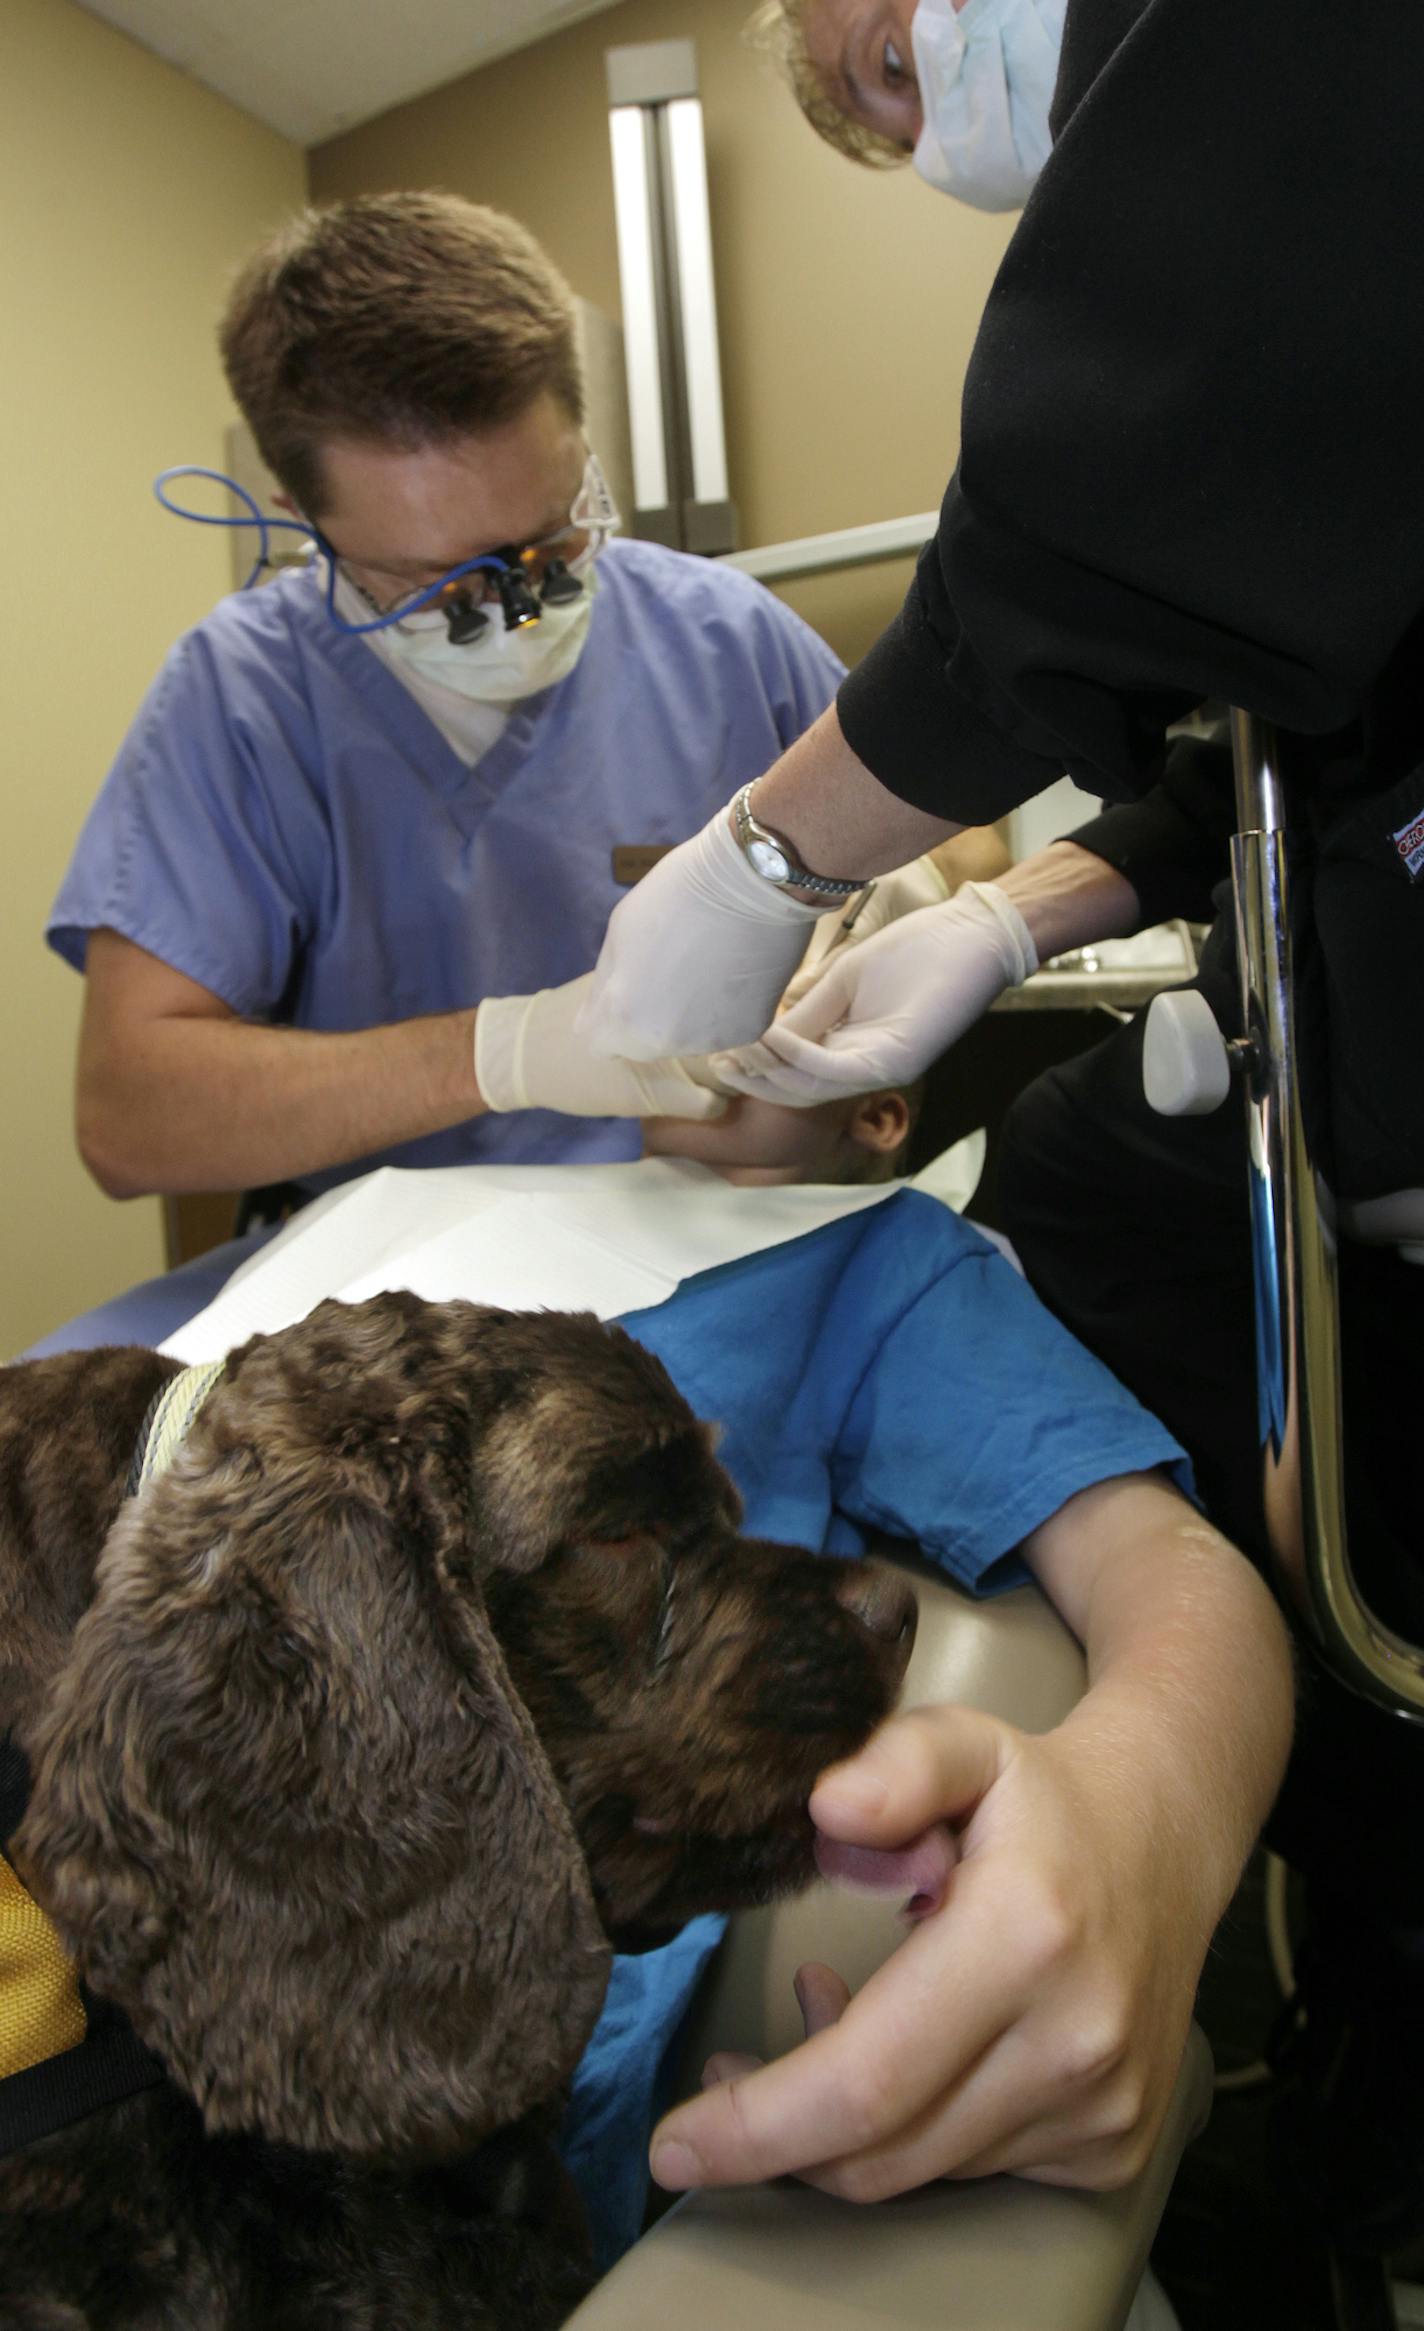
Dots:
pixel 768 860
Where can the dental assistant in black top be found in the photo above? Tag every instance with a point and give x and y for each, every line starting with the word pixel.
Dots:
pixel 1191 471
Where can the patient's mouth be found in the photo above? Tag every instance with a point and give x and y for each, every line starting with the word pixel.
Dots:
pixel 918 1872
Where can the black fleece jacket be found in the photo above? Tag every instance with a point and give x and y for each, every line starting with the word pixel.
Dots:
pixel 1193 436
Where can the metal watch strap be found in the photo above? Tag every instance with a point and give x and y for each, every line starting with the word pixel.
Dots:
pixel 796 877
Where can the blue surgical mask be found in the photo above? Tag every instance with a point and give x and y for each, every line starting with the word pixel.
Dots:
pixel 986 76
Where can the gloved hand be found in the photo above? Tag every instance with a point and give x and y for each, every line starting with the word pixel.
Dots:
pixel 889 896
pixel 528 1056
pixel 883 1011
pixel 697 955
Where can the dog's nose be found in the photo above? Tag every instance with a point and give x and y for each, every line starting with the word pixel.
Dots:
pixel 882 1600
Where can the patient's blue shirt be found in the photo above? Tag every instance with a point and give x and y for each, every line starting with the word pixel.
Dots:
pixel 889 1372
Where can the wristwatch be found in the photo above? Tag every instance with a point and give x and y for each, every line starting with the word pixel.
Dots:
pixel 773 858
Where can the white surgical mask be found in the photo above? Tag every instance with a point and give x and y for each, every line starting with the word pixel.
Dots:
pixel 986 76
pixel 500 666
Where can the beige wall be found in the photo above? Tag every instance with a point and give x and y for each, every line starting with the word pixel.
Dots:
pixel 848 302
pixel 127 194
pixel 847 298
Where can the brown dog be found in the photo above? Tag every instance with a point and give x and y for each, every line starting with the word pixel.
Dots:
pixel 432 1666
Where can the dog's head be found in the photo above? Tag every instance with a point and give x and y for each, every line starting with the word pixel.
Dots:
pixel 688 1686
pixel 432 1662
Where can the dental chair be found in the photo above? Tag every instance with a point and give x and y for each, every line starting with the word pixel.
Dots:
pixel 995 2254
pixel 1187 1069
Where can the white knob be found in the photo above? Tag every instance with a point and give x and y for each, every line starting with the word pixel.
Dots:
pixel 1186 1070
pixel 1396 1220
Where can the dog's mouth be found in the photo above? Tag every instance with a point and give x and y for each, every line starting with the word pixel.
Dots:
pixel 662 1874
pixel 708 1811
pixel 727 1874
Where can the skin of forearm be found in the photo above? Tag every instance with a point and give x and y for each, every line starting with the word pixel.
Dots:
pixel 1068 898
pixel 1190 1693
pixel 197 1103
pixel 841 820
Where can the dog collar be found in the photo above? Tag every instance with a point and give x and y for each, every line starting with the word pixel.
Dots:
pixel 168 1422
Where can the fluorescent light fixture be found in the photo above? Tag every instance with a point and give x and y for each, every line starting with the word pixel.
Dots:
pixel 669 300
pixel 632 204
pixel 692 231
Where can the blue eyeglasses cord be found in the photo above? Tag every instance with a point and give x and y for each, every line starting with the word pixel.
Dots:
pixel 266 526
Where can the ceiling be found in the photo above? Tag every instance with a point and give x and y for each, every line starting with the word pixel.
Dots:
pixel 312 67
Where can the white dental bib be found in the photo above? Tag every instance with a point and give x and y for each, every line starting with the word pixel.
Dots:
pixel 600 1238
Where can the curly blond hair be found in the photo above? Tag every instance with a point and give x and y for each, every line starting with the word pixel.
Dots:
pixel 778 29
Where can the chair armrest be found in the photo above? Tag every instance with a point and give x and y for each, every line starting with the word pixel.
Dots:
pixel 992 2255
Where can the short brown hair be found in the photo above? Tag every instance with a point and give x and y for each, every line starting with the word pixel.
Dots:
pixel 408 318
pixel 778 28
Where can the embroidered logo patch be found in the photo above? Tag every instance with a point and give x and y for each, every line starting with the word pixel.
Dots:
pixel 1409 842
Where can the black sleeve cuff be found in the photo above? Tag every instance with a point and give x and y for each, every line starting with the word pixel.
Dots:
pixel 924 741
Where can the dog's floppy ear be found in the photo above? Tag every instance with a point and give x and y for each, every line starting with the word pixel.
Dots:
pixel 600 1443
pixel 289 1813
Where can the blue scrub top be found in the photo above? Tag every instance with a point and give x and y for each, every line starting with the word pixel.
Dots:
pixel 887 1373
pixel 287 827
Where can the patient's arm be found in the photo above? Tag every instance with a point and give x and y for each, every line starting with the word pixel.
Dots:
pixel 1036 2021
pixel 976 854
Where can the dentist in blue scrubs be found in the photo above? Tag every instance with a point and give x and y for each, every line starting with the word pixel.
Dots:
pixel 405 786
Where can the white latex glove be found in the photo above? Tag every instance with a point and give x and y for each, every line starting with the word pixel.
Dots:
pixel 528 1056
pixel 883 1011
pixel 920 884
pixel 696 955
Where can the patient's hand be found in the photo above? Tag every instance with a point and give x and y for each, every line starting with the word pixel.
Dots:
pixel 1035 2021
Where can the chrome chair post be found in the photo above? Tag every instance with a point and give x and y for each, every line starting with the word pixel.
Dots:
pixel 1293 1251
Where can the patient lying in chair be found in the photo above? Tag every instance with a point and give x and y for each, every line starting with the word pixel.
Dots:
pixel 877 1368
